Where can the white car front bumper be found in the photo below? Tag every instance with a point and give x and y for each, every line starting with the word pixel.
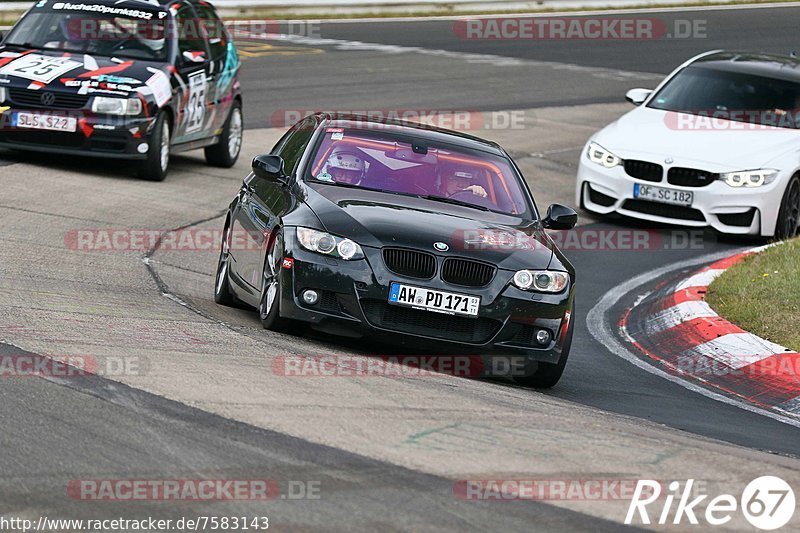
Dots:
pixel 739 211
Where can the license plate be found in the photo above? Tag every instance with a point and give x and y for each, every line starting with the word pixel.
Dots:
pixel 433 300
pixel 662 195
pixel 36 121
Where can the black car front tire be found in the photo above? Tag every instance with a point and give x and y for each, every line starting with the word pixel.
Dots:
pixel 222 288
pixel 156 164
pixel 225 153
pixel 269 306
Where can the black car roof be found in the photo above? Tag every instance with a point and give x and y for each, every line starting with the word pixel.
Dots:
pixel 414 129
pixel 783 67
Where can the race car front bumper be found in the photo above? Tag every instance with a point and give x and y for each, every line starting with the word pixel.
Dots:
pixel 106 136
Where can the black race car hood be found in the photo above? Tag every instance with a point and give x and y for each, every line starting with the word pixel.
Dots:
pixel 379 219
pixel 82 73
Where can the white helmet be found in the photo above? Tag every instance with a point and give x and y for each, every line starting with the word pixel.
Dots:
pixel 349 160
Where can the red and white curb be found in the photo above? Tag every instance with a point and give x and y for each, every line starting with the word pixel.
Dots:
pixel 677 328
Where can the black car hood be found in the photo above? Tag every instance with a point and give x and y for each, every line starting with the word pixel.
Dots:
pixel 379 219
pixel 94 75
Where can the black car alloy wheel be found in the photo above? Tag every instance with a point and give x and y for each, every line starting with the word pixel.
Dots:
pixel 222 292
pixel 269 305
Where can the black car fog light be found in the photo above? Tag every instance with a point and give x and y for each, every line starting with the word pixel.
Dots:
pixel 543 337
pixel 310 297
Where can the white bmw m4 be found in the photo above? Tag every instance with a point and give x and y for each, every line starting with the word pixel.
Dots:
pixel 716 144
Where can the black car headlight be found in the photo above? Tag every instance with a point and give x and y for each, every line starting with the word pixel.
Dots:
pixel 327 244
pixel 541 280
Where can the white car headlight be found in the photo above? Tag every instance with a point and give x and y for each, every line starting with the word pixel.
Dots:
pixel 541 280
pixel 749 178
pixel 3 94
pixel 601 156
pixel 327 244
pixel 116 106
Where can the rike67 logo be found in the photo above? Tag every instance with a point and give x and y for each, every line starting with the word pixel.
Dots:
pixel 767 503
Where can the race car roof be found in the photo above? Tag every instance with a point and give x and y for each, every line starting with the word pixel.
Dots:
pixel 768 65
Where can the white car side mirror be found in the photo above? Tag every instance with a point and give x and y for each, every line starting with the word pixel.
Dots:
pixel 637 96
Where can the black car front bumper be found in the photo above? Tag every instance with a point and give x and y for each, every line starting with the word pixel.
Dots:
pixel 354 302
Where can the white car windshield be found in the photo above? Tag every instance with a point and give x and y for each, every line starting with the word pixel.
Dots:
pixel 735 96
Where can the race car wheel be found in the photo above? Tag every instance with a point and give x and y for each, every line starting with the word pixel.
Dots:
pixel 222 289
pixel 789 214
pixel 548 374
pixel 155 166
pixel 225 153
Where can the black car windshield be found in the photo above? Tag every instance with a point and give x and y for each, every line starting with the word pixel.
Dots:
pixel 105 31
pixel 388 162
pixel 735 96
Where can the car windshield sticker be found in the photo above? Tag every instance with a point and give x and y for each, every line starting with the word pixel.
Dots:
pixel 40 68
pixel 324 176
pixel 106 10
pixel 159 86
pixel 196 108
pixel 337 136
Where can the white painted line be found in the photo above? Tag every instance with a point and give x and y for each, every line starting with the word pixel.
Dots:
pixel 676 315
pixel 596 322
pixel 701 279
pixel 474 58
pixel 736 350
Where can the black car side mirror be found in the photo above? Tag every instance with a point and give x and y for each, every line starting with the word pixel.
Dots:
pixel 269 167
pixel 560 217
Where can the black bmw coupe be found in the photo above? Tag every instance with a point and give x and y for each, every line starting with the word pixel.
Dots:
pixel 419 236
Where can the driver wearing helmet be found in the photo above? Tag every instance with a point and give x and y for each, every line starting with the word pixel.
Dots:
pixel 458 180
pixel 345 165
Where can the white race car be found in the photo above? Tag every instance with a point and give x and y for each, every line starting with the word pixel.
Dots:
pixel 717 144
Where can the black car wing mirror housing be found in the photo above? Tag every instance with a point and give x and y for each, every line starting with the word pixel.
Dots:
pixel 560 217
pixel 269 167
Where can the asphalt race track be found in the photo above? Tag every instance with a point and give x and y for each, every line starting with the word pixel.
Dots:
pixel 208 403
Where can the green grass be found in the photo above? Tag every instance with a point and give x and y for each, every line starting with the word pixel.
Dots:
pixel 761 294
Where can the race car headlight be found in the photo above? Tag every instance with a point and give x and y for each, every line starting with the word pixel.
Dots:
pixel 601 156
pixel 116 106
pixel 3 94
pixel 327 244
pixel 541 280
pixel 749 178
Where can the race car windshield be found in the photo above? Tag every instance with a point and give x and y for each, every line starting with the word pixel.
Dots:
pixel 733 96
pixel 93 33
pixel 395 164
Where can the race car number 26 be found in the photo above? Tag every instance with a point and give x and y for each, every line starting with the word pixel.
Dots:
pixel 39 68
